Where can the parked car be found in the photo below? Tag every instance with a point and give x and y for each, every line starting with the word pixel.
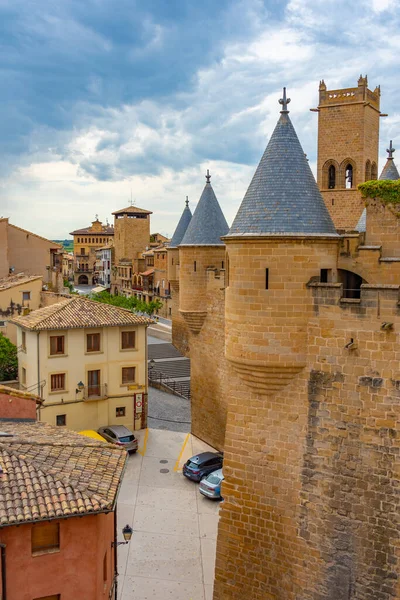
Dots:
pixel 210 486
pixel 119 435
pixel 202 464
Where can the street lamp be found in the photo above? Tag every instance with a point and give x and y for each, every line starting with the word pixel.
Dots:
pixel 127 533
pixel 79 387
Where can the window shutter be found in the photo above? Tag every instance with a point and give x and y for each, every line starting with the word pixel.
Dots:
pixel 45 536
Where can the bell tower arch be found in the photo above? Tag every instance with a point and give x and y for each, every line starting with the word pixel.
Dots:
pixel 348 136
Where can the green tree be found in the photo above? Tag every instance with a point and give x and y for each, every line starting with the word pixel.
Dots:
pixel 8 359
pixel 131 303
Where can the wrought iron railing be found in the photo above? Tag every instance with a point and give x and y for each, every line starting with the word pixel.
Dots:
pixel 95 392
pixel 176 387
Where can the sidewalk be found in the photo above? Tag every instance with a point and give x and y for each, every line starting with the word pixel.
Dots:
pixel 172 550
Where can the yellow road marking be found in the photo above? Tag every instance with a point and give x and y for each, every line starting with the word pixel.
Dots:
pixel 176 467
pixel 143 450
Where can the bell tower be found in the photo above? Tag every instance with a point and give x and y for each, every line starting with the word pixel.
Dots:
pixel 348 136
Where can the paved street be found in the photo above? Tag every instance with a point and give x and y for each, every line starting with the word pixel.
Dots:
pixel 168 412
pixel 172 551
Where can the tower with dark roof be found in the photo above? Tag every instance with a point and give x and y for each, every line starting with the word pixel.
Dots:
pixel 200 250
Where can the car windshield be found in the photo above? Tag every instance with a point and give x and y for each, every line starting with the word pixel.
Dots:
pixel 214 479
pixel 192 465
pixel 127 438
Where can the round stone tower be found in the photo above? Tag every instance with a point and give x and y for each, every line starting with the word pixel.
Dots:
pixel 200 250
pixel 282 238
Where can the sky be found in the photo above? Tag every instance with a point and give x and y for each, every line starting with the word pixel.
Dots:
pixel 102 101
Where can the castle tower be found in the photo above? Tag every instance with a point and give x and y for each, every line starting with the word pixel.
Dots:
pixel 348 137
pixel 179 327
pixel 131 234
pixel 281 239
pixel 200 249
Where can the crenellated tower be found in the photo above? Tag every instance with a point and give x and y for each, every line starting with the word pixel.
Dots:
pixel 348 138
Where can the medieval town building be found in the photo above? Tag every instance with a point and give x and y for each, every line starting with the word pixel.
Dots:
pixel 86 242
pixel 290 318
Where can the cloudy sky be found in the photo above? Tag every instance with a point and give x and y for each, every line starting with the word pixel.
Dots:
pixel 104 99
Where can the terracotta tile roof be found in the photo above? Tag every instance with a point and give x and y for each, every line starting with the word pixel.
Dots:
pixel 76 313
pixel 132 210
pixel 147 273
pixel 9 391
pixel 14 280
pixel 51 472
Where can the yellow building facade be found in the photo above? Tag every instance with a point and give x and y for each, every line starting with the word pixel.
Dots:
pixel 86 242
pixel 19 294
pixel 87 361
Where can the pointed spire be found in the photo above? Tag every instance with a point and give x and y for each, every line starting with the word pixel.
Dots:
pixel 390 171
pixel 284 101
pixel 283 197
pixel 182 225
pixel 208 224
pixel 361 226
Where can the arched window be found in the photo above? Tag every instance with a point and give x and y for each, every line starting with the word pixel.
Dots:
pixel 374 171
pixel 331 177
pixel 349 176
pixel 368 171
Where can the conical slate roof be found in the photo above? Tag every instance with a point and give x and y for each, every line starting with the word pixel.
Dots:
pixel 208 223
pixel 390 171
pixel 361 226
pixel 182 226
pixel 283 197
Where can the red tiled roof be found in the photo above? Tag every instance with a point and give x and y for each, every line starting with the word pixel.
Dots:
pixel 89 231
pixel 77 313
pixel 148 272
pixel 132 210
pixel 52 472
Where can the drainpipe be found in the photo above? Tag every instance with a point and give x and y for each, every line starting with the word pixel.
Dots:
pixel 38 366
pixel 3 572
pixel 115 555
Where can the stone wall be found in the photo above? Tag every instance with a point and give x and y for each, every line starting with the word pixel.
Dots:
pixel 311 503
pixel 383 227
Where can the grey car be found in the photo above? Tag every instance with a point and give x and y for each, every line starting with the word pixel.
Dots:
pixel 119 435
pixel 210 486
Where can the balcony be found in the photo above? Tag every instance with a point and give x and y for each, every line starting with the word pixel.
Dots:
pixel 125 262
pixel 84 256
pixel 95 392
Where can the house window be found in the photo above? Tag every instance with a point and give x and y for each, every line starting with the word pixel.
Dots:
pixel 23 341
pixel 324 276
pixel 120 411
pixel 26 296
pixel 82 250
pixel 23 375
pixel 61 420
pixel 56 344
pixel 266 278
pixel 57 382
pixel 93 342
pixel 45 536
pixel 94 383
pixel 349 176
pixel 3 323
pixel 128 340
pixel 128 375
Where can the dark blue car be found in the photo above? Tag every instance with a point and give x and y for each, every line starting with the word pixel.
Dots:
pixel 202 464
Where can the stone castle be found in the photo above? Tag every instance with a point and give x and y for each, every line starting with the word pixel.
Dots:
pixel 291 320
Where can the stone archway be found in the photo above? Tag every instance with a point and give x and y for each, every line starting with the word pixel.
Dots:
pixel 83 280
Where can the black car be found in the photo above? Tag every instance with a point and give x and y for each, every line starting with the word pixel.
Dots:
pixel 202 464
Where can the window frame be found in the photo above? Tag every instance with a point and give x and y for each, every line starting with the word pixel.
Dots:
pixel 128 348
pixel 28 294
pixel 57 337
pixel 130 382
pixel 37 549
pixel 120 409
pixel 64 424
pixel 91 334
pixel 58 390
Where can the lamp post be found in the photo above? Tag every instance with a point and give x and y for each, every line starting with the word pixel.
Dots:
pixel 79 387
pixel 127 533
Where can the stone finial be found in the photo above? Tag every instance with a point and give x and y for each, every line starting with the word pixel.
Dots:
pixel 363 81
pixel 208 176
pixel 322 86
pixel 96 217
pixel 390 150
pixel 187 201
pixel 284 101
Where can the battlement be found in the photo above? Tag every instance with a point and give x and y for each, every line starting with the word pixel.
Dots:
pixel 215 279
pixel 358 94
